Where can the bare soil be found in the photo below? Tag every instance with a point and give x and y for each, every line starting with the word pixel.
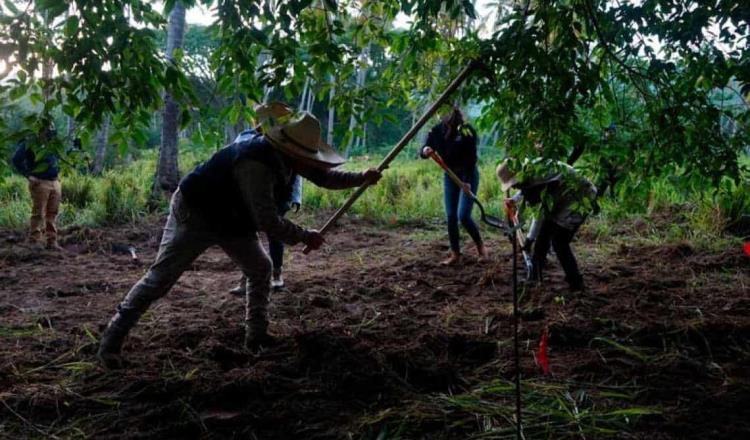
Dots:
pixel 367 327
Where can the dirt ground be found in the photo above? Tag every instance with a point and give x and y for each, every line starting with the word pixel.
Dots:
pixel 370 329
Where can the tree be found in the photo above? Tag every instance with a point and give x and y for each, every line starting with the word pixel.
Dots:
pixel 553 72
pixel 167 172
pixel 100 155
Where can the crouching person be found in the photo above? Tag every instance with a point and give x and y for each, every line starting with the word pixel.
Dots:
pixel 565 199
pixel 226 201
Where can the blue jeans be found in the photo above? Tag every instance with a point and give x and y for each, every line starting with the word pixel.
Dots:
pixel 458 208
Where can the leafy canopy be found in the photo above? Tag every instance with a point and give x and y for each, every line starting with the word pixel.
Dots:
pixel 556 72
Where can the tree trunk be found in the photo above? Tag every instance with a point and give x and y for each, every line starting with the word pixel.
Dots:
pixel 303 100
pixel 331 111
pixel 310 99
pixel 100 156
pixel 167 172
pixel 354 141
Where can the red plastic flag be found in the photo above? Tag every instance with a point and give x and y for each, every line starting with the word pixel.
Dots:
pixel 747 248
pixel 542 357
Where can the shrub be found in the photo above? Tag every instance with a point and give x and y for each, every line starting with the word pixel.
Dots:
pixel 78 190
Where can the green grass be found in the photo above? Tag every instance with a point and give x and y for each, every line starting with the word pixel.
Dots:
pixel 411 192
pixel 550 410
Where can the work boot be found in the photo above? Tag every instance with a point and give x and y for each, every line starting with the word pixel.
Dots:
pixel 110 346
pixel 277 280
pixel 261 342
pixel 576 284
pixel 256 335
pixel 240 289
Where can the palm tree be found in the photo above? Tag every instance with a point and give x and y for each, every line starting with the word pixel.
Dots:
pixel 167 173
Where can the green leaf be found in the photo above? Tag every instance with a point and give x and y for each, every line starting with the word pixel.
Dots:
pixel 71 26
pixel 10 4
pixel 53 8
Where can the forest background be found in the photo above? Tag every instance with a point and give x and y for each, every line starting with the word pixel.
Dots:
pixel 648 98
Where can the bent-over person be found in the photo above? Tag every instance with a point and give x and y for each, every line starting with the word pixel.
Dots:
pixel 226 201
pixel 565 199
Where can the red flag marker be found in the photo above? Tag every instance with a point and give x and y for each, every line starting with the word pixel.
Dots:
pixel 747 248
pixel 542 357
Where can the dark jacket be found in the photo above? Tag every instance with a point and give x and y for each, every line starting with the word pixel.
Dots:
pixel 45 168
pixel 459 151
pixel 237 190
pixel 211 190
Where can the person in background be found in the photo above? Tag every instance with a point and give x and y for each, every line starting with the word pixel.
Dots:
pixel 40 166
pixel 565 199
pixel 455 140
pixel 226 201
pixel 267 116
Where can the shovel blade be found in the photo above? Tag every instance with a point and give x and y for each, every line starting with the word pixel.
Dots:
pixel 494 222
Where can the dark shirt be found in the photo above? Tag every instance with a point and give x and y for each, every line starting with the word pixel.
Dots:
pixel 459 151
pixel 237 190
pixel 45 168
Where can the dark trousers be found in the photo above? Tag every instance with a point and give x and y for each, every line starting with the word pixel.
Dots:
pixel 559 238
pixel 276 247
pixel 458 207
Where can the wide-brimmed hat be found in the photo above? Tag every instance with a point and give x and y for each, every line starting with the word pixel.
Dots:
pixel 300 138
pixel 273 111
pixel 506 176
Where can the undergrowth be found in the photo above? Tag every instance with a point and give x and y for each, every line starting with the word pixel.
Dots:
pixel 550 411
pixel 411 192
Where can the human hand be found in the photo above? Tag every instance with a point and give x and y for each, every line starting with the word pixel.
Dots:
pixel 510 206
pixel 467 188
pixel 314 240
pixel 427 151
pixel 372 176
pixel 295 206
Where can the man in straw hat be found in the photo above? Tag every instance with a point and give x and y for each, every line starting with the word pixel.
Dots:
pixel 268 115
pixel 226 201
pixel 565 199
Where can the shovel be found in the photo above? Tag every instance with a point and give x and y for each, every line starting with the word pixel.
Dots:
pixel 486 218
pixel 512 212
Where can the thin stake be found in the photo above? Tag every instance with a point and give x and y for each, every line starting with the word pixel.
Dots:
pixel 516 351
pixel 400 145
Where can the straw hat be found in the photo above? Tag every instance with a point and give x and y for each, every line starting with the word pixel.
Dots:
pixel 506 176
pixel 300 138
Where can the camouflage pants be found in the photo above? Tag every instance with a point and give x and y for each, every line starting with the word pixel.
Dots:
pixel 185 238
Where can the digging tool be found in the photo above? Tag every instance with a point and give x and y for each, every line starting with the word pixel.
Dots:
pixel 486 218
pixel 511 212
pixel 400 145
pixel 514 224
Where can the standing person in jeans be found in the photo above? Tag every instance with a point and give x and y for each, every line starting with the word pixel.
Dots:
pixel 455 140
pixel 565 199
pixel 267 116
pixel 40 166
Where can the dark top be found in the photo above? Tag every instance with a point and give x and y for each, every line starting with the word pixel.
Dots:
pixel 45 168
pixel 211 188
pixel 237 190
pixel 459 152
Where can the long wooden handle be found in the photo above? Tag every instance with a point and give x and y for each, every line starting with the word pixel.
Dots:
pixel 399 146
pixel 457 180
